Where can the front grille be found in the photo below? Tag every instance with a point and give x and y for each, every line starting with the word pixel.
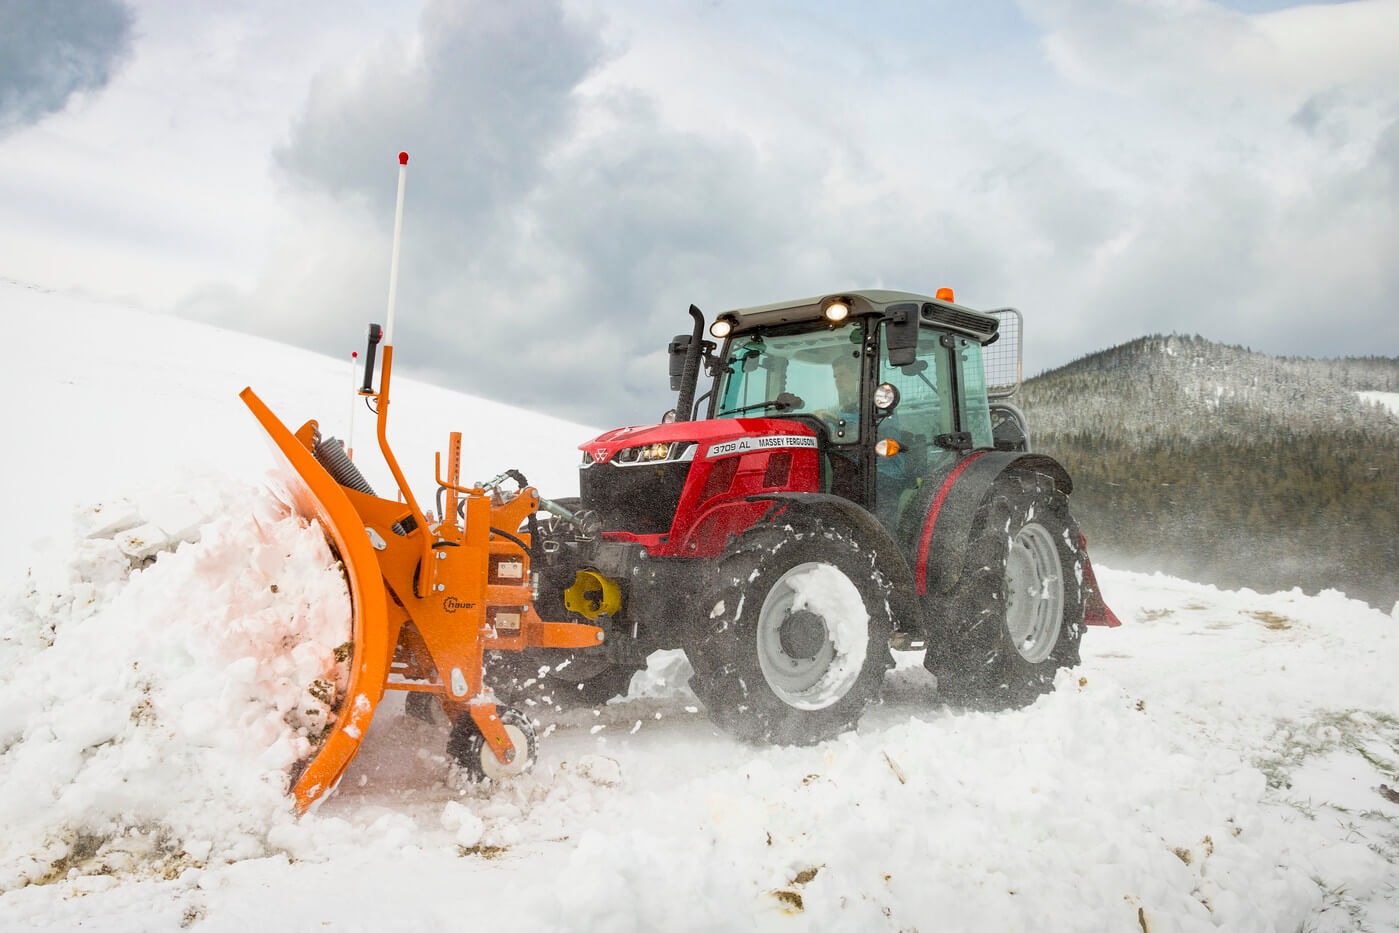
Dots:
pixel 637 499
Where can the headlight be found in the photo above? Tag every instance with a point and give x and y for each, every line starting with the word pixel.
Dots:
pixel 721 327
pixel 836 311
pixel 652 453
pixel 886 396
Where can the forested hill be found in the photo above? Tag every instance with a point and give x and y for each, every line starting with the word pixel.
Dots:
pixel 1229 466
pixel 1174 387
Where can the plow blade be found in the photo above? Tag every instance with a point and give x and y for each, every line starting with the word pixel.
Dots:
pixel 317 497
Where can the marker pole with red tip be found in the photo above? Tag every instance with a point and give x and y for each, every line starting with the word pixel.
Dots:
pixel 397 235
pixel 354 404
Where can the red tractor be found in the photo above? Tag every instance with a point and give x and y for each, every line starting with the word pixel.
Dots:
pixel 849 483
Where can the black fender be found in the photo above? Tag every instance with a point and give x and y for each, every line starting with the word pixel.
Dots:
pixel 937 531
pixel 823 506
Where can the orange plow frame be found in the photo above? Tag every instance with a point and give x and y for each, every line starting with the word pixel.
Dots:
pixel 427 602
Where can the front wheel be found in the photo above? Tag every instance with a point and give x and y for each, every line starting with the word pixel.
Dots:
pixel 467 747
pixel 556 678
pixel 1015 615
pixel 793 640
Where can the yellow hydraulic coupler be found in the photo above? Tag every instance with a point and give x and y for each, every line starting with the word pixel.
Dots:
pixel 592 595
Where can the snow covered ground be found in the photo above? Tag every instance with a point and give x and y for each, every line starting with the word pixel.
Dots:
pixel 1215 763
pixel 1389 400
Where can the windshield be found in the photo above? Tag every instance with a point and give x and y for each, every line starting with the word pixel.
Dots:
pixel 820 367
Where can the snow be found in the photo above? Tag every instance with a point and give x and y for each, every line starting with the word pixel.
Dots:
pixel 1389 400
pixel 1212 764
pixel 123 676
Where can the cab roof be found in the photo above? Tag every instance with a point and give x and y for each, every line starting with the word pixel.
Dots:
pixel 868 302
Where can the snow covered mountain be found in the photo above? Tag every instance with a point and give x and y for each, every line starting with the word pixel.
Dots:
pixel 1225 760
pixel 1231 467
pixel 1172 387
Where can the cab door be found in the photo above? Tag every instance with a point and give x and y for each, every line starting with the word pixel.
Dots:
pixel 926 409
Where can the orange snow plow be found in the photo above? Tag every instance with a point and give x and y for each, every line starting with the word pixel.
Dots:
pixel 429 597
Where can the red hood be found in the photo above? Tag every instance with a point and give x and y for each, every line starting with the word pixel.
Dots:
pixel 706 434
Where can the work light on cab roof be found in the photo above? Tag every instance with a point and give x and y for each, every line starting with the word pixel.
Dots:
pixel 837 311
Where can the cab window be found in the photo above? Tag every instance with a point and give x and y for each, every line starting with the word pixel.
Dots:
pixel 976 411
pixel 821 367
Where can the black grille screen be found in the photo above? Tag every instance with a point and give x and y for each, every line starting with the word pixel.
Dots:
pixel 958 319
pixel 636 499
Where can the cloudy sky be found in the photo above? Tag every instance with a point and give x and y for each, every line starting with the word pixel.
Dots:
pixel 583 170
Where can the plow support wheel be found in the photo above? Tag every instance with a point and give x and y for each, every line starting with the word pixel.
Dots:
pixel 317 497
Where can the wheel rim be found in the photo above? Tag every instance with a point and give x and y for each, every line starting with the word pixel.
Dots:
pixel 812 636
pixel 1034 593
pixel 493 768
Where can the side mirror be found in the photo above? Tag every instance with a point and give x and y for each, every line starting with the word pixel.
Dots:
pixel 901 333
pixel 678 348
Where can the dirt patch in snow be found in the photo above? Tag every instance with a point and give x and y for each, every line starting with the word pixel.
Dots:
pixel 1275 622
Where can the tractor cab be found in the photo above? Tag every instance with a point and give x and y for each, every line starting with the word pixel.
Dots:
pixel 893 384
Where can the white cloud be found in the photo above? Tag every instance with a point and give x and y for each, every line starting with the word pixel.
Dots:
pixel 1175 49
pixel 48 54
pixel 581 174
pixel 163 182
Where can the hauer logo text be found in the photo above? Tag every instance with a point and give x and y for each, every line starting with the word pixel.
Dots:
pixel 452 604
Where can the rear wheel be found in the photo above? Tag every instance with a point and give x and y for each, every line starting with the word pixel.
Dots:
pixel 1015 615
pixel 794 638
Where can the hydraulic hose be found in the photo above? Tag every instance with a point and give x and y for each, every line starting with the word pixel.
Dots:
pixel 509 537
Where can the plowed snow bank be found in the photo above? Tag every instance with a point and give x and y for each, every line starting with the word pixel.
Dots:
pixel 157 686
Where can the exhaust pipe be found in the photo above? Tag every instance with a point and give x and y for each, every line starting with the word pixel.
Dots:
pixel 684 405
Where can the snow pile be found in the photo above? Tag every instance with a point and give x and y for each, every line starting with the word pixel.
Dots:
pixel 157 686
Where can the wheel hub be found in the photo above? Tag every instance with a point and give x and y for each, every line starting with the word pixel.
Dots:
pixel 803 634
pixel 804 658
pixel 514 763
pixel 1034 593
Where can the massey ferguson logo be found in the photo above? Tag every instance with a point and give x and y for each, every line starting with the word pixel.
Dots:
pixel 452 604
pixel 744 444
